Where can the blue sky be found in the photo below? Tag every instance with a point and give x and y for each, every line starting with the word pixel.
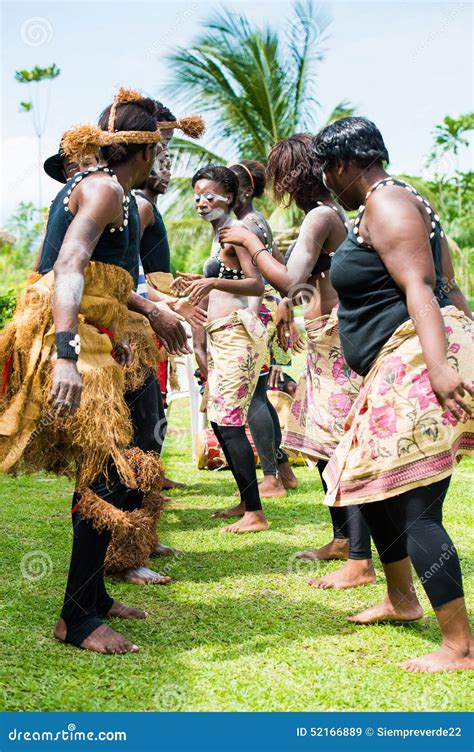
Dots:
pixel 403 64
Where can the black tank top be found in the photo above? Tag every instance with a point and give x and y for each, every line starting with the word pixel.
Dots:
pixel 323 264
pixel 371 305
pixel 154 247
pixel 113 247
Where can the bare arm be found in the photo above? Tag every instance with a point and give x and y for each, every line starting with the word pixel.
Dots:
pixel 97 207
pixel 400 237
pixel 252 285
pixel 311 239
pixel 145 211
pixel 38 256
pixel 454 293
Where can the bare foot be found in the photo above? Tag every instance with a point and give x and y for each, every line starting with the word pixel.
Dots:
pixel 101 640
pixel 161 550
pixel 337 549
pixel 169 485
pixel 237 511
pixel 166 499
pixel 251 522
pixel 352 574
pixel 270 487
pixel 120 611
pixel 390 609
pixel 142 576
pixel 287 476
pixel 447 658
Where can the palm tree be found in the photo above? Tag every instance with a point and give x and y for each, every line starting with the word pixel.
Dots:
pixel 255 86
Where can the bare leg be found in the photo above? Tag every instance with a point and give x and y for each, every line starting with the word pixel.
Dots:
pixel 400 602
pixel 338 548
pixel 457 650
pixel 353 573
pixel 169 485
pixel 287 476
pixel 271 486
pixel 141 576
pixel 101 640
pixel 251 522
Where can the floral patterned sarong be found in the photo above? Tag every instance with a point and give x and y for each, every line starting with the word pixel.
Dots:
pixel 237 346
pixel 324 395
pixel 398 436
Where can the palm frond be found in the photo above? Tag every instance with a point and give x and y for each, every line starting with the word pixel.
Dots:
pixel 343 109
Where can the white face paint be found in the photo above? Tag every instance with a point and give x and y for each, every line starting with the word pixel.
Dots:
pixel 211 215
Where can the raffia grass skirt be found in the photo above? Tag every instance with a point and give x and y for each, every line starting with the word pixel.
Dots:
pixel 30 436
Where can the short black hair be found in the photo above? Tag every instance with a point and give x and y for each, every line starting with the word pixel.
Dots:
pixel 256 169
pixel 163 113
pixel 350 139
pixel 219 174
pixel 130 116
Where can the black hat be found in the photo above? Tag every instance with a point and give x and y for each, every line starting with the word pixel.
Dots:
pixel 53 166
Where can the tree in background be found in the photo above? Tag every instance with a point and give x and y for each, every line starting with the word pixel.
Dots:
pixel 454 192
pixel 255 85
pixel 38 105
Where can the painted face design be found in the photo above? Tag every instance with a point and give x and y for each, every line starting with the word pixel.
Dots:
pixel 204 205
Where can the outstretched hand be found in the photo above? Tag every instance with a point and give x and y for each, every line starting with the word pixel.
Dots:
pixel 179 285
pixel 168 326
pixel 200 289
pixel 193 314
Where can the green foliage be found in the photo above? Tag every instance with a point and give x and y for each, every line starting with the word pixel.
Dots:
pixel 238 629
pixel 7 306
pixel 37 74
pixel 26 106
pixel 449 136
pixel 17 255
pixel 190 240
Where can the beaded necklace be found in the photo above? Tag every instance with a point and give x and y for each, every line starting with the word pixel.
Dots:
pixel 101 168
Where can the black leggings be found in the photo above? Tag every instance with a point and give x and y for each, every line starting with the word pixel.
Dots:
pixel 86 598
pixel 348 522
pixel 241 460
pixel 265 429
pixel 411 524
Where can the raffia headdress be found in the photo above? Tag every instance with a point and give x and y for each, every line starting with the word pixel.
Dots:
pixel 87 139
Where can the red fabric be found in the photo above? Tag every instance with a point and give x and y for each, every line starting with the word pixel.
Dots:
pixel 75 507
pixel 162 373
pixel 6 373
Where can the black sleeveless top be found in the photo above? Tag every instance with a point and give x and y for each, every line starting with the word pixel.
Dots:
pixel 323 264
pixel 154 248
pixel 371 305
pixel 114 245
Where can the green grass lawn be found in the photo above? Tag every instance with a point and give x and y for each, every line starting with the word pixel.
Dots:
pixel 238 629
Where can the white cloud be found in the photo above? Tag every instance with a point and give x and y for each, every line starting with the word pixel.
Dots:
pixel 19 177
